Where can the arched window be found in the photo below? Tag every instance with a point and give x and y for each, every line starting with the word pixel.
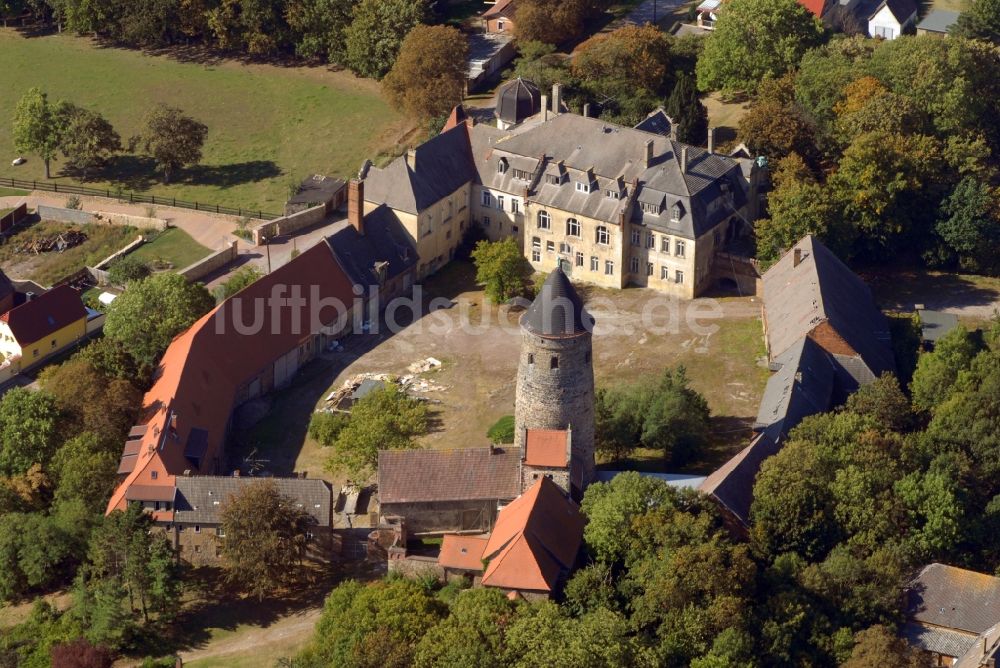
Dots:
pixel 572 227
pixel 531 358
pixel 502 166
pixel 602 236
pixel 544 221
pixel 675 213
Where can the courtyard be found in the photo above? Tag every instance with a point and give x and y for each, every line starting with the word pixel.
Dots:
pixel 719 342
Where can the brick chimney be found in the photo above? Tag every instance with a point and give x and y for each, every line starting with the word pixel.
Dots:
pixel 411 158
pixel 556 97
pixel 356 205
pixel 649 153
pixel 711 140
pixel 684 160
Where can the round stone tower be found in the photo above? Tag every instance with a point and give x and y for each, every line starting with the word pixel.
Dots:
pixel 555 375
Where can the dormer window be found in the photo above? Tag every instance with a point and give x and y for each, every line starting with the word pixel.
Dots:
pixel 675 212
pixel 502 166
pixel 553 179
pixel 582 187
pixel 651 208
pixel 521 174
pixel 613 194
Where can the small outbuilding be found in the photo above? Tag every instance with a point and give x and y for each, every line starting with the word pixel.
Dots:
pixel 937 22
pixel 315 190
pixel 934 325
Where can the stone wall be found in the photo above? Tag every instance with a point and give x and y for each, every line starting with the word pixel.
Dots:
pixel 289 224
pixel 560 397
pixel 213 262
pixel 415 567
pixel 103 264
pixel 743 271
pixel 445 516
pixel 79 217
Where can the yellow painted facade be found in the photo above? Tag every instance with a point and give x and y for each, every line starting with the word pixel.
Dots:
pixel 37 351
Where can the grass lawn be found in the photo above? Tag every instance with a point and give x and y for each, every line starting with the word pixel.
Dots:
pixel 724 117
pixel 951 5
pixel 268 125
pixel 45 268
pixel 174 246
pixel 12 192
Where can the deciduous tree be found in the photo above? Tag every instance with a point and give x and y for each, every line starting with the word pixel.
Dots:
pixel 386 419
pixel 27 430
pixel 265 537
pixel 501 268
pixel 37 127
pixel 147 316
pixel 126 269
pixel 376 33
pixel 934 379
pixel 626 60
pixel 171 139
pixel 551 21
pixel 429 75
pixel 320 26
pixel 881 646
pixel 780 32
pixel 87 139
pixel 970 225
pixel 980 20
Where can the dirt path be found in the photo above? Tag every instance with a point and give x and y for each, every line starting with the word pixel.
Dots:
pixel 286 631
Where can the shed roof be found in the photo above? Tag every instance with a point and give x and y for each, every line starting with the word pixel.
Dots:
pixel 935 324
pixel 317 189
pixel 954 598
pixel 547 448
pixel 462 552
pixel 411 476
pixel 939 20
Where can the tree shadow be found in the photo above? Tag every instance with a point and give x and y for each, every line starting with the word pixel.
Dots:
pixel 225 176
pixel 135 172
pixel 902 290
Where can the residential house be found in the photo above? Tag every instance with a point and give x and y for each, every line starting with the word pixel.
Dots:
pixel 499 18
pixel 245 347
pixel 890 18
pixel 195 527
pixel 938 22
pixel 529 552
pixel 825 338
pixel 43 325
pixel 953 614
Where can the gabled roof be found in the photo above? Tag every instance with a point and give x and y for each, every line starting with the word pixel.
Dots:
pixel 816 7
pixel 44 314
pixel 501 8
pixel 802 386
pixel 954 598
pixel 902 10
pixel 444 164
pixel 802 295
pixel 201 499
pixel 732 483
pixel 385 241
pixel 536 537
pixel 187 410
pixel 557 310
pixel 547 448
pixel 409 476
pixel 656 122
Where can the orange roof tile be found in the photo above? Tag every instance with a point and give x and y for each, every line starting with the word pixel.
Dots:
pixel 536 537
pixel 464 552
pixel 546 447
pixel 199 375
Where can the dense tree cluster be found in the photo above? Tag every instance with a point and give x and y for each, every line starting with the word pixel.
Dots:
pixel 429 75
pixel 897 138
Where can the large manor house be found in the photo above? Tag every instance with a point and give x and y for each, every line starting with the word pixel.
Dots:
pixel 612 206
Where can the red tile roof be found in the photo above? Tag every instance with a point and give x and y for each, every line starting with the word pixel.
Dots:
pixel 536 537
pixel 47 313
pixel 546 447
pixel 501 7
pixel 462 552
pixel 204 367
pixel 814 6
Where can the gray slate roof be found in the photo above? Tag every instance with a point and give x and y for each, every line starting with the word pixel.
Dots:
pixel 657 123
pixel 732 483
pixel 557 310
pixel 802 386
pixel 938 640
pixel 821 289
pixel 938 20
pixel 954 598
pixel 385 240
pixel 935 324
pixel 200 499
pixel 444 164
pixel 317 189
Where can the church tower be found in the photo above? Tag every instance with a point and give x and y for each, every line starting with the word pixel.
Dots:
pixel 554 403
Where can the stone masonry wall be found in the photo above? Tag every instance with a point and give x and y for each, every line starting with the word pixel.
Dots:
pixel 556 398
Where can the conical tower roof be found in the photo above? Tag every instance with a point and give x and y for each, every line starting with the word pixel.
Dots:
pixel 557 310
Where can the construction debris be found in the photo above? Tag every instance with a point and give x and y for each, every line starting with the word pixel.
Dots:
pixel 54 242
pixel 424 365
pixel 359 386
